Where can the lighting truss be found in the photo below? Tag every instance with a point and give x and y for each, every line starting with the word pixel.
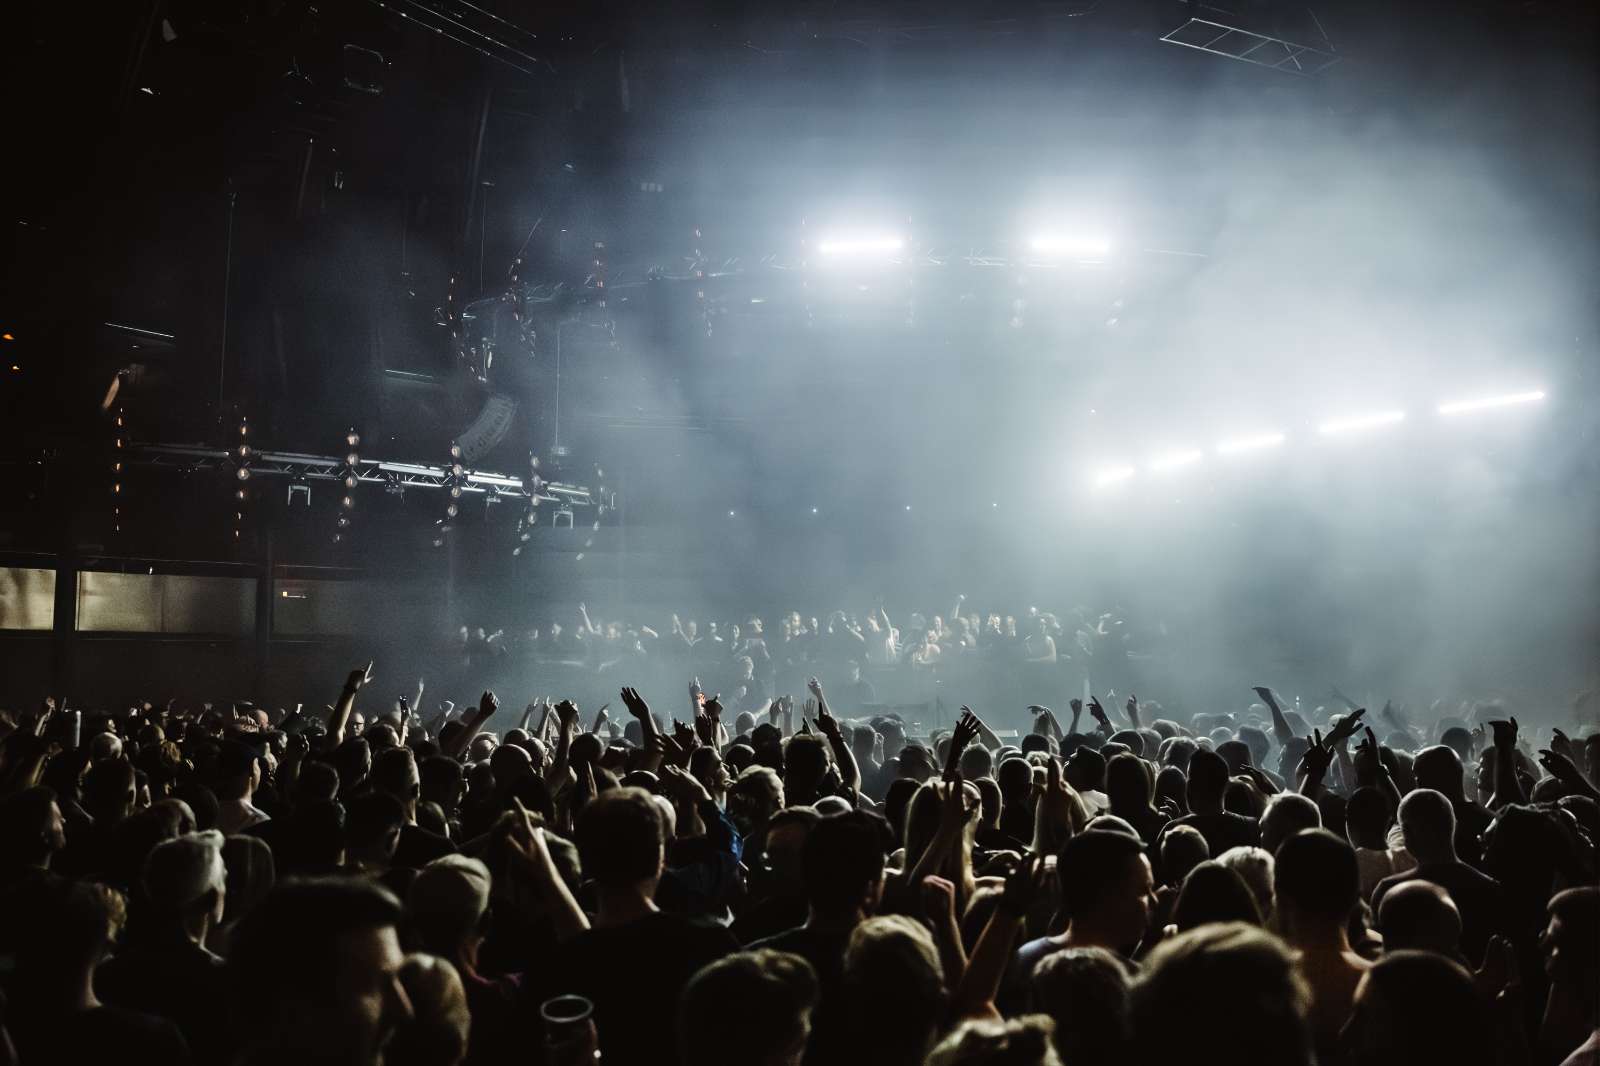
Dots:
pixel 395 476
pixel 1248 46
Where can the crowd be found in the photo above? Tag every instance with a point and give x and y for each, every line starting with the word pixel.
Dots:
pixel 748 662
pixel 776 883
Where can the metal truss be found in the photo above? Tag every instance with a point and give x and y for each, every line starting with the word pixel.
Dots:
pixel 396 477
pixel 1250 47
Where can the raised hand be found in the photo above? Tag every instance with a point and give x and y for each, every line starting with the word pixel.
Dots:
pixel 488 703
pixel 683 786
pixel 567 714
pixel 1562 768
pixel 685 735
pixel 1099 713
pixel 1505 733
pixel 636 705
pixel 1023 885
pixel 1132 707
pixel 1315 762
pixel 815 688
pixel 1561 744
pixel 1266 695
pixel 965 732
pixel 1347 727
pixel 713 708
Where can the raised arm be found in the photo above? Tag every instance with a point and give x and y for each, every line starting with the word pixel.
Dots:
pixel 1507 789
pixel 1280 725
pixel 1131 707
pixel 828 726
pixel 992 953
pixel 340 718
pixel 488 703
pixel 533 861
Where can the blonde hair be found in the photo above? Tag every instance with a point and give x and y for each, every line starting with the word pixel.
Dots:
pixel 922 825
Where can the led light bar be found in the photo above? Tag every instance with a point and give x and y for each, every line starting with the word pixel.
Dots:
pixel 1250 444
pixel 1174 460
pixel 1112 475
pixel 863 245
pixel 1463 407
pixel 1356 423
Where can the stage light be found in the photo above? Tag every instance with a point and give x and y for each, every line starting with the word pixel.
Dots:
pixel 352 459
pixel 347 503
pixel 455 451
pixel 350 481
pixel 1173 460
pixel 1462 407
pixel 456 469
pixel 1112 475
pixel 1355 423
pixel 860 244
pixel 452 510
pixel 1250 444
pixel 243 474
pixel 352 438
pixel 1062 244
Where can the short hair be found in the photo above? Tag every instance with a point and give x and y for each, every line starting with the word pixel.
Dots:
pixel 439 773
pixel 977 761
pixel 621 836
pixel 1420 915
pixel 1132 738
pixel 1255 868
pixel 1367 812
pixel 372 817
pixel 1258 743
pixel 107 783
pixel 762 999
pixel 447 902
pixel 1183 847
pixel 1214 893
pixel 1027 1039
pixel 1179 750
pixel 1438 767
pixel 1288 813
pixel 71 925
pixel 395 771
pixel 1197 977
pixel 1086 991
pixel 317 781
pixel 24 817
pixel 1090 868
pixel 1128 781
pixel 1207 775
pixel 1419 1006
pixel 843 859
pixel 1039 742
pixel 440 1021
pixel 1317 876
pixel 184 871
pixel 892 971
pixel 1428 820
pixel 285 951
pixel 252 871
pixel 1579 911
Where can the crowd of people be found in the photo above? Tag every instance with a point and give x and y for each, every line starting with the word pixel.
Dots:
pixel 749 662
pixel 771 882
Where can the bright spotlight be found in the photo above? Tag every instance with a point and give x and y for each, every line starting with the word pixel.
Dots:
pixel 1113 474
pixel 1173 460
pixel 863 244
pixel 1462 407
pixel 1250 444
pixel 1356 423
pixel 1060 244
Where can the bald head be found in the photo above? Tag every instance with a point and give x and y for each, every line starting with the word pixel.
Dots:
pixel 1421 916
